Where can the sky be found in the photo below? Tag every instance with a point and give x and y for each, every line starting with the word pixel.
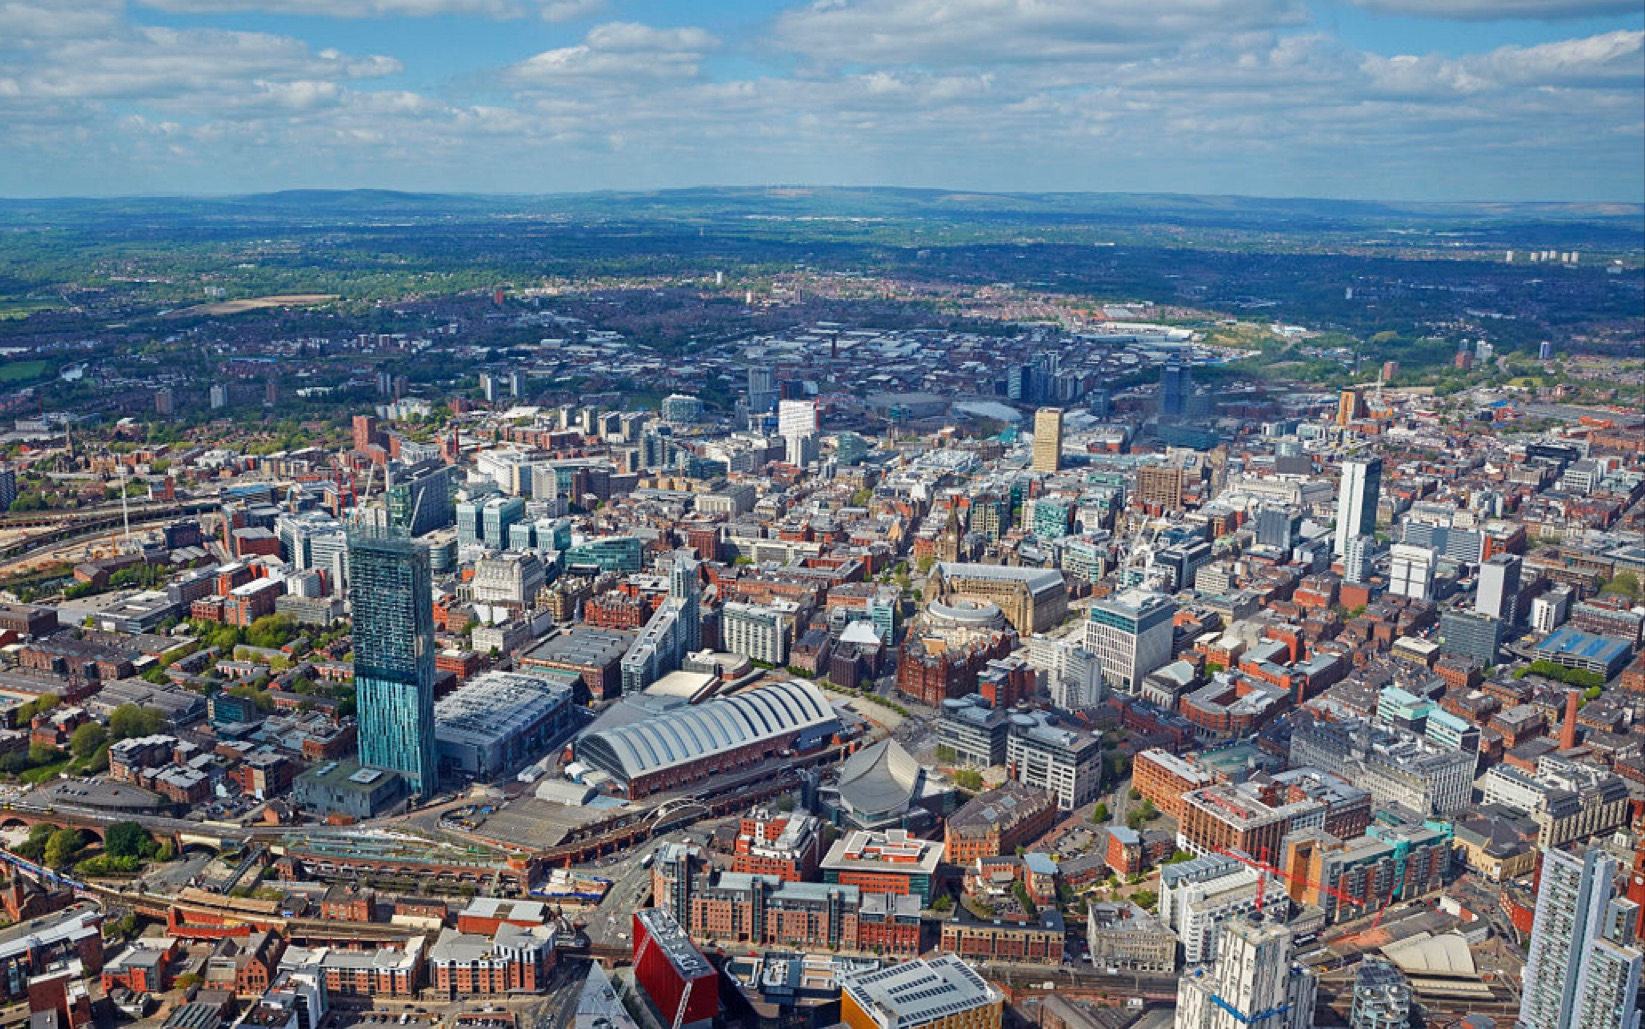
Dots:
pixel 1378 99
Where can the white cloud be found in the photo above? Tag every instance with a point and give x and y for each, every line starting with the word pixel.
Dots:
pixel 1501 10
pixel 571 10
pixel 1613 59
pixel 946 32
pixel 344 8
pixel 619 53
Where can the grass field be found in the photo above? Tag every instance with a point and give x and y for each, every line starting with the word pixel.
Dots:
pixel 23 371
pixel 256 304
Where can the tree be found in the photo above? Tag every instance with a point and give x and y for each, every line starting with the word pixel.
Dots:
pixel 1099 814
pixel 968 779
pixel 62 848
pixel 86 739
pixel 1135 819
pixel 129 839
pixel 1625 584
pixel 129 720
pixel 43 754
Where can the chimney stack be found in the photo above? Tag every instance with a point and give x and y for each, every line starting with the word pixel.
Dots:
pixel 1567 732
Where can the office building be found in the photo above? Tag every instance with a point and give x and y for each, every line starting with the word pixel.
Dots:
pixel 1131 633
pixel 762 391
pixel 1584 965
pixel 679 409
pixel 1410 570
pixel 1471 635
pixel 971 732
pixel 1048 439
pixel 1279 527
pixel 1067 762
pixel 1357 497
pixel 419 498
pixel 672 972
pixel 995 823
pixel 486 523
pixel 1395 767
pixel 391 603
pixel 1176 389
pixel 1251 985
pixel 8 488
pixel 892 861
pixel 509 580
pixel 1498 593
pixel 940 993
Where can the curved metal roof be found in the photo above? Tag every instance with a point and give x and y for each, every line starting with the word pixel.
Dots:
pixel 686 735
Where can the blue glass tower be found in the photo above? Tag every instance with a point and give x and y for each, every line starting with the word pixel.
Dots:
pixel 390 595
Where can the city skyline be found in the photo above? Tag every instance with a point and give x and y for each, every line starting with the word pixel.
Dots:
pixel 1374 99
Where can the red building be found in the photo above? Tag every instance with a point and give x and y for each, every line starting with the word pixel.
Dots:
pixel 513 960
pixel 788 847
pixel 671 970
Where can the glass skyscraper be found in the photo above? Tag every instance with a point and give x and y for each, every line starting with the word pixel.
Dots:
pixel 390 595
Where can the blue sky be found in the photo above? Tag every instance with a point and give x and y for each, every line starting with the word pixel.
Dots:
pixel 1391 99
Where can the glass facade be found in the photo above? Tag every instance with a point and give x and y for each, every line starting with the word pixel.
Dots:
pixel 391 598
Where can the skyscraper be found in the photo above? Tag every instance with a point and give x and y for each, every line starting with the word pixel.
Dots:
pixel 1048 439
pixel 762 390
pixel 1357 500
pixel 391 599
pixel 1498 594
pixel 1583 968
pixel 1251 985
pixel 1176 389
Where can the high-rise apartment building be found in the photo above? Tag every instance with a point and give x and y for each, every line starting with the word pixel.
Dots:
pixel 392 604
pixel 1251 985
pixel 1048 439
pixel 1357 499
pixel 1584 965
pixel 1132 635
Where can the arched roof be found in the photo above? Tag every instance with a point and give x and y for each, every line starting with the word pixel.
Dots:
pixel 686 735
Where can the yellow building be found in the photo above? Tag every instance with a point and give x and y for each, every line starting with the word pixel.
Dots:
pixel 942 993
pixel 1048 439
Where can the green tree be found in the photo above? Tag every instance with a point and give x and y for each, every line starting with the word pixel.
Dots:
pixel 968 779
pixel 86 739
pixel 129 720
pixel 1625 584
pixel 34 848
pixel 63 847
pixel 1099 814
pixel 129 839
